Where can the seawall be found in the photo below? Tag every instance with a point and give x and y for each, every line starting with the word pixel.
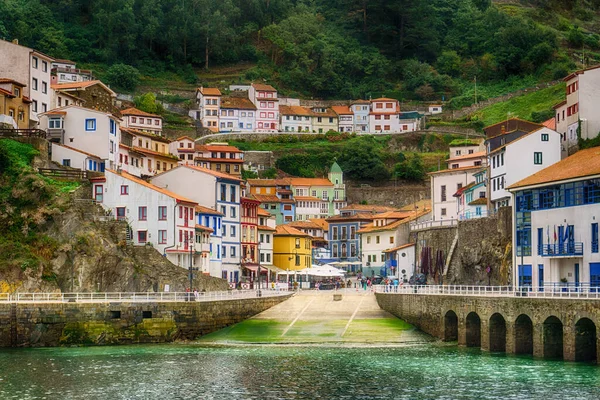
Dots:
pixel 57 324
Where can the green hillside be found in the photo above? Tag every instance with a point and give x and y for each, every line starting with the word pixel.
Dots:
pixel 407 49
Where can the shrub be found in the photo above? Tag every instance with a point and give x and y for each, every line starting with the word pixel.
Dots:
pixel 123 76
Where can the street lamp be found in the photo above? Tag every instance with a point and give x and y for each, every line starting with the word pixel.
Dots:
pixel 191 268
pixel 259 294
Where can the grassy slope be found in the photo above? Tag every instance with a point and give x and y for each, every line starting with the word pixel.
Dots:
pixel 522 106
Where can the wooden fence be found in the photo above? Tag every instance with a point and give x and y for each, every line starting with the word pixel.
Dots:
pixel 69 174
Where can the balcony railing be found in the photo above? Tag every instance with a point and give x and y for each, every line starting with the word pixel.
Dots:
pixel 595 246
pixel 562 249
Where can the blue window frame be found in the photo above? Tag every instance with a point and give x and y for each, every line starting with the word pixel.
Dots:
pixel 102 167
pixel 594 276
pixel 90 124
pixel 541 277
pixel 90 165
pixel 525 276
pixel 595 237
pixel 113 127
pixel 540 240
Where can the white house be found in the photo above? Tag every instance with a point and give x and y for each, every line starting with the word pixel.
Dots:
pixel 32 68
pixel 519 158
pixel 145 154
pixel 295 119
pixel 434 109
pixel 345 118
pixel 387 231
pixel 212 220
pixel 218 191
pixel 89 131
pixel 184 148
pixel 238 114
pixel 266 229
pixel 360 110
pixel 208 104
pixel 70 157
pixel 579 108
pixel 555 220
pixel 384 116
pixel 142 121
pixel 264 97
pixel 401 261
pixel 472 199
pixel 64 71
pixel 155 216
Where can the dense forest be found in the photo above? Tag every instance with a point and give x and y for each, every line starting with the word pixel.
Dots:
pixel 321 48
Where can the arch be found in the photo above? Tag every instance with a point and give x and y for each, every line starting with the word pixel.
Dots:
pixel 473 328
pixel 497 333
pixel 552 331
pixel 523 335
pixel 450 326
pixel 585 340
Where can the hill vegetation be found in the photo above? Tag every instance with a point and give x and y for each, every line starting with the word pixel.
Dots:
pixel 424 49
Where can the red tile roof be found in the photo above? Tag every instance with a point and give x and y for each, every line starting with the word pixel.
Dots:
pixel 295 110
pixel 263 87
pixel 205 210
pixel 394 249
pixel 240 103
pixel 213 173
pixel 551 123
pixel 219 148
pixel 263 213
pixel 136 112
pixel 342 110
pixel 287 230
pixel 461 169
pixel 310 182
pixel 206 91
pixel 8 80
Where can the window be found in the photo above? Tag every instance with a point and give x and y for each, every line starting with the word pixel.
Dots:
pixel 232 212
pixel 537 158
pixel 297 243
pixel 223 192
pixel 232 194
pixel 443 194
pixel 377 239
pixel 44 87
pixel 232 251
pixel 34 84
pixel 44 66
pixel 34 62
pixel 66 162
pixel 142 213
pixel 142 236
pixel 90 124
pixel 544 137
pixel 162 237
pixel 44 107
pixel 35 105
pixel 391 240
pixel 162 213
pixel 54 123
pixel 124 190
pixel 595 237
pixel 223 251
pixel 232 231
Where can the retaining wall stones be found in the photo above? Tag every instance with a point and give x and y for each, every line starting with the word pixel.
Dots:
pixel 56 324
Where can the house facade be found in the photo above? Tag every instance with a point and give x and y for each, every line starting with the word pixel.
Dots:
pixel 220 192
pixel 208 105
pixel 66 71
pixel 93 132
pixel 472 199
pixel 384 116
pixel 32 69
pixel 145 154
pixel 220 157
pixel 184 148
pixel 555 220
pixel 238 114
pixel 92 94
pixel 264 97
pixel 519 158
pixel 295 119
pixel 266 230
pixel 154 216
pixel 142 121
pixel 14 105
pixel 292 249
pixel 360 110
pixel 212 219
pixel 345 118
pixel 250 256
pixel 324 120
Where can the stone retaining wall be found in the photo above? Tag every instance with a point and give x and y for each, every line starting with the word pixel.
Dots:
pixel 56 324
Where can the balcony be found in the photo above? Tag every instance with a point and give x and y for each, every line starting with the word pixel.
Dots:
pixel 391 263
pixel 569 249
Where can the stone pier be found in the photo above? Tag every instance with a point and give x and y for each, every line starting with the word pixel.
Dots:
pixel 550 328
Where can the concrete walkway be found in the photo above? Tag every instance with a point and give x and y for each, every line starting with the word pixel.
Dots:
pixel 314 317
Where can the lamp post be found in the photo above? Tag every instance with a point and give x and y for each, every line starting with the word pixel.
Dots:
pixel 259 293
pixel 191 268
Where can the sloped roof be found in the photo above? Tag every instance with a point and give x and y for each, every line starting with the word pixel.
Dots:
pixel 9 80
pixel 310 182
pixel 479 154
pixel 151 186
pixel 342 110
pixel 582 164
pixel 136 112
pixel 152 136
pixel 395 249
pixel 306 198
pixel 263 213
pixel 263 87
pixel 262 182
pixel 368 207
pixel 78 150
pixel 322 222
pixel 510 125
pixel 551 123
pixel 295 110
pixel 81 85
pixel 219 147
pixel 482 201
pixel 394 225
pixel 265 228
pixel 237 103
pixel 383 99
pixel 205 210
pixel 213 173
pixel 287 230
pixel 207 91
pixel 304 225
pixel 451 170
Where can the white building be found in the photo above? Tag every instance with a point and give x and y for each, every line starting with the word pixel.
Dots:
pixel 307 207
pixel 64 71
pixel 89 131
pixel 295 119
pixel 208 104
pixel 388 230
pixel 519 158
pixel 384 116
pixel 142 121
pixel 580 107
pixel 360 110
pixel 216 190
pixel 155 216
pixel 264 97
pixel 345 118
pixel 184 148
pixel 434 109
pixel 32 68
pixel 472 199
pixel 212 219
pixel 266 229
pixel 71 157
pixel 555 219
pixel 238 114
pixel 145 154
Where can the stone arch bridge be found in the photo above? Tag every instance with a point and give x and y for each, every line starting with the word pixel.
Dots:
pixel 547 327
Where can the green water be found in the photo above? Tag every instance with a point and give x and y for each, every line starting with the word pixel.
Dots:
pixel 426 371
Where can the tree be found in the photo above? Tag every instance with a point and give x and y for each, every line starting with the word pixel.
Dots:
pixel 123 76
pixel 362 160
pixel 411 170
pixel 147 102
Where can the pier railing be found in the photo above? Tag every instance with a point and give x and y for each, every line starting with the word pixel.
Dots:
pixel 582 292
pixel 148 297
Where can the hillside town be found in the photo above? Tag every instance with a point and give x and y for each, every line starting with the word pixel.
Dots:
pixel 190 202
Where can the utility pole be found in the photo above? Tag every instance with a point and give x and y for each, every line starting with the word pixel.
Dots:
pixel 475 89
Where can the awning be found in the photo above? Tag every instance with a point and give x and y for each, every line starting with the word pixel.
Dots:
pixel 254 268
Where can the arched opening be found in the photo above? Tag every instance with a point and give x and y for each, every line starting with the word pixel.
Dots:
pixel 497 333
pixel 473 326
pixel 450 327
pixel 553 338
pixel 523 335
pixel 585 340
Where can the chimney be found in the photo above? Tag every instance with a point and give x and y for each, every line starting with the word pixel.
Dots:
pixel 15 41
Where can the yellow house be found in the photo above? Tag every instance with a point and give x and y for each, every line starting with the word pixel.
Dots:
pixel 291 249
pixel 14 105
